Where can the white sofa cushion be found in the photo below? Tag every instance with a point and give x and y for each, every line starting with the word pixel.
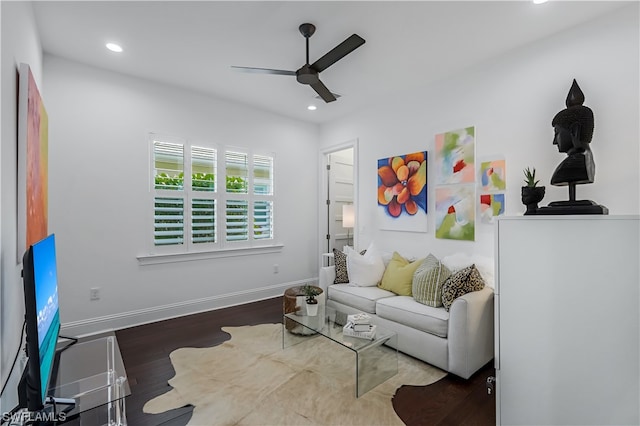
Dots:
pixel 361 298
pixel 405 310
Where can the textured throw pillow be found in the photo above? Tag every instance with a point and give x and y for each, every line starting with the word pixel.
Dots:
pixel 398 275
pixel 364 270
pixel 428 280
pixel 340 261
pixel 460 283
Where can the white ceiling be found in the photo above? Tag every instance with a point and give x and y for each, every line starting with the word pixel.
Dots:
pixel 194 44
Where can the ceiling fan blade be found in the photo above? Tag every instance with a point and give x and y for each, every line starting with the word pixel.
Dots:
pixel 263 70
pixel 322 90
pixel 338 52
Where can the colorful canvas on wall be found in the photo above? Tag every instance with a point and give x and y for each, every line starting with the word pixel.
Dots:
pixel 493 176
pixel 455 157
pixel 402 192
pixel 455 212
pixel 33 137
pixel 491 206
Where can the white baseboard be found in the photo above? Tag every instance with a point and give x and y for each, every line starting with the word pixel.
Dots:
pixel 119 321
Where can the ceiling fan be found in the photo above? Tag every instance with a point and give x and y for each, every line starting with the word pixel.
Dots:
pixel 309 74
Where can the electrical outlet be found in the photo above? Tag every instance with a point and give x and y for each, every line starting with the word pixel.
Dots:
pixel 94 293
pixel 275 268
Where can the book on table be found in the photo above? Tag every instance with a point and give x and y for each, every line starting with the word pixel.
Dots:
pixel 360 318
pixel 361 327
pixel 369 333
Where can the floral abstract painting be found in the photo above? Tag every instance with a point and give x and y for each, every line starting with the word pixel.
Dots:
pixel 491 206
pixel 402 192
pixel 455 157
pixel 455 212
pixel 493 175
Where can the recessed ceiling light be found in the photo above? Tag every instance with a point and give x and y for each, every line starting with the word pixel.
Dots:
pixel 539 1
pixel 114 47
pixel 312 107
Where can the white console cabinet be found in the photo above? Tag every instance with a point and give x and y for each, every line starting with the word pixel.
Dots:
pixel 567 346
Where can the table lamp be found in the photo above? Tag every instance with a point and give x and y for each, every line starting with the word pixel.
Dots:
pixel 348 218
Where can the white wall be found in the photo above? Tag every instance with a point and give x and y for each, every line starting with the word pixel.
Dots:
pixel 511 100
pixel 99 156
pixel 99 199
pixel 20 43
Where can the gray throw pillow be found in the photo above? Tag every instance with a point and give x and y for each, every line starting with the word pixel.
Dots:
pixel 428 280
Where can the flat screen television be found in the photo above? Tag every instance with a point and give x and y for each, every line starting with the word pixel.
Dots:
pixel 42 316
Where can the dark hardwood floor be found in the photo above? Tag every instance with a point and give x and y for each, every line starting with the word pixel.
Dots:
pixel 450 401
pixel 145 351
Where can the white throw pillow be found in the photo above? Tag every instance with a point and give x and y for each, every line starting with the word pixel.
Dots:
pixel 484 265
pixel 364 270
pixel 457 261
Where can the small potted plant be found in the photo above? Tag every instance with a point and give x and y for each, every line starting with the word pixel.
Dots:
pixel 310 293
pixel 532 194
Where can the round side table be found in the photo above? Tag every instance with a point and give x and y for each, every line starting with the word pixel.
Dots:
pixel 294 302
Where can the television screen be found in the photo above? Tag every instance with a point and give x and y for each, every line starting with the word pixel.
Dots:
pixel 46 280
pixel 42 318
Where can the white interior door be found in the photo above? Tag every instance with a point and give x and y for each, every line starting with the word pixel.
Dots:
pixel 340 192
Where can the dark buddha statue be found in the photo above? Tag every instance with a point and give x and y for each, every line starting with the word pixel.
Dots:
pixel 573 128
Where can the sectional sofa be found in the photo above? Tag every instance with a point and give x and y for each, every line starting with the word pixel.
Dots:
pixel 458 340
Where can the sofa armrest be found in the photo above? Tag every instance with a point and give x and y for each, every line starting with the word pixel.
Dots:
pixel 471 332
pixel 327 277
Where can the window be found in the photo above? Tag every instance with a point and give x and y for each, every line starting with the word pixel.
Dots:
pixel 188 204
pixel 249 208
pixel 263 197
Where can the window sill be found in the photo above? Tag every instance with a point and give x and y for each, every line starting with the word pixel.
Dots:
pixel 155 259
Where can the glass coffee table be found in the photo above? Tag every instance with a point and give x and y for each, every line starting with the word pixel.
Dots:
pixel 375 361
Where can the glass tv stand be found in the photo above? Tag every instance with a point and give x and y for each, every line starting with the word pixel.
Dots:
pixel 92 374
pixel 88 389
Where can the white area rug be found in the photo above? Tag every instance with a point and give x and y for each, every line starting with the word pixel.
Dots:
pixel 251 380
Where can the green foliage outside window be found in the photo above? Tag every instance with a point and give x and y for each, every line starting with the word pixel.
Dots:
pixel 199 181
pixel 203 181
pixel 236 184
pixel 164 181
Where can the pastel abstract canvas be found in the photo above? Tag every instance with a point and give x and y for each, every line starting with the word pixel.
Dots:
pixel 455 212
pixel 491 206
pixel 455 157
pixel 493 175
pixel 402 192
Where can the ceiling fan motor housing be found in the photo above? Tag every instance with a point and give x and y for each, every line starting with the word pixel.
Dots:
pixel 307 75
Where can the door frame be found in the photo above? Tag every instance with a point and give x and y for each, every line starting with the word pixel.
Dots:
pixel 323 188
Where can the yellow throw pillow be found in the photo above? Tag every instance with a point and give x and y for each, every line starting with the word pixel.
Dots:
pixel 398 276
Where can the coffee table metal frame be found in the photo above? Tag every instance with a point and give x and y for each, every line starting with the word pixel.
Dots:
pixel 375 361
